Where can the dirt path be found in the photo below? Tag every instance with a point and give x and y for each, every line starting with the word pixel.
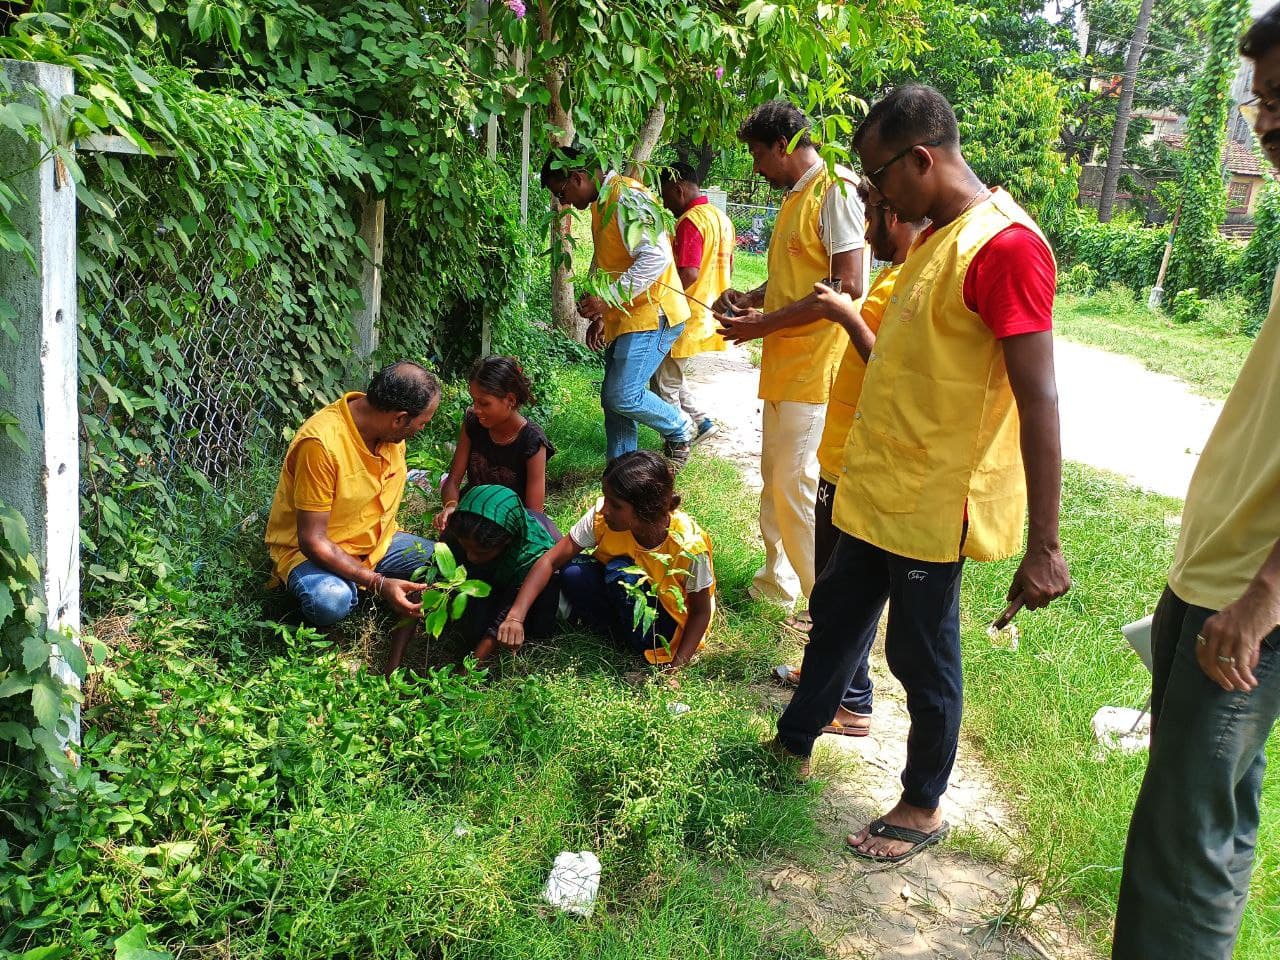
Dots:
pixel 941 904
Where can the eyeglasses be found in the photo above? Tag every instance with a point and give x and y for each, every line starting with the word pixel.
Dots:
pixel 874 175
pixel 1254 107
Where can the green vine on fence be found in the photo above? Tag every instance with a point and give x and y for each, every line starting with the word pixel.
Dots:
pixel 1203 196
pixel 35 699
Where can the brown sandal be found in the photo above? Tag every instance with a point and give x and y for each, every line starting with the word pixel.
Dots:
pixel 859 729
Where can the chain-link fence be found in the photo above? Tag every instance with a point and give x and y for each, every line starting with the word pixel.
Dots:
pixel 753 225
pixel 192 356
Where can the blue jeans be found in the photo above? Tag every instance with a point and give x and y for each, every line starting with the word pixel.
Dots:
pixel 596 594
pixel 921 647
pixel 327 598
pixel 629 363
pixel 1190 849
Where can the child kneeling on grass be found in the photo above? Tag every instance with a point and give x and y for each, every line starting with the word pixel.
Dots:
pixel 499 540
pixel 635 524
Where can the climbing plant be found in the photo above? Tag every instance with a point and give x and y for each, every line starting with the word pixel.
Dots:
pixel 1203 196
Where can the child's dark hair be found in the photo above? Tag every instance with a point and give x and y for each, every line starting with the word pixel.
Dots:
pixel 499 376
pixel 481 531
pixel 644 480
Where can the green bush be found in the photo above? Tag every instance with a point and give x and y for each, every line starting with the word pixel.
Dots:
pixel 1187 307
pixel 1080 280
pixel 1119 252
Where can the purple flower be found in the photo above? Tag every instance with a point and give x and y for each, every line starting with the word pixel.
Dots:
pixel 719 73
pixel 517 7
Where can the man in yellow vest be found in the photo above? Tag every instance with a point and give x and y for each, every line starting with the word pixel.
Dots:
pixel 818 235
pixel 956 430
pixel 703 250
pixel 646 310
pixel 332 530
pixel 1215 641
pixel 890 239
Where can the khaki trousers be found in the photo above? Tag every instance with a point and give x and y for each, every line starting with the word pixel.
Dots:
pixel 789 471
pixel 670 384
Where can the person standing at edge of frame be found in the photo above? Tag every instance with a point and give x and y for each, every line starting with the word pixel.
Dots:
pixel 818 235
pixel 703 250
pixel 956 432
pixel 1215 644
pixel 638 335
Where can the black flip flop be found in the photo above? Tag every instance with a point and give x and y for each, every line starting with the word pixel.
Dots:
pixel 878 828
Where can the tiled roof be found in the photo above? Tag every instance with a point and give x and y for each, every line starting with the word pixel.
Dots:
pixel 1240 157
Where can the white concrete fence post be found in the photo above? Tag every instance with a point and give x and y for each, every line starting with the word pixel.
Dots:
pixel 43 484
pixel 373 215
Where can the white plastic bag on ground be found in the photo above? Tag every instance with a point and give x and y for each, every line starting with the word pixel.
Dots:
pixel 574 883
pixel 1121 728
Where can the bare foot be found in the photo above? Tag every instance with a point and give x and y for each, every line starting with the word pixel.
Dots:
pixel 400 637
pixel 486 649
pixel 902 815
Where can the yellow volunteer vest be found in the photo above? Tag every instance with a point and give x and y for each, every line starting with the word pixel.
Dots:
pixel 1231 520
pixel 936 430
pixel 848 384
pixel 713 279
pixel 613 259
pixel 362 520
pixel 799 363
pixel 684 539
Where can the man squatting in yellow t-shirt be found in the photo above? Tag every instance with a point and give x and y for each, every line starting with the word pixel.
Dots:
pixel 332 530
pixel 818 234
pixel 956 430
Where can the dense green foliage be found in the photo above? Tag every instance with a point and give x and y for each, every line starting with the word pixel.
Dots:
pixel 1009 139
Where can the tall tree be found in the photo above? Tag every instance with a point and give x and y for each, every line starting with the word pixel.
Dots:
pixel 1203 197
pixel 1120 131
pixel 619 77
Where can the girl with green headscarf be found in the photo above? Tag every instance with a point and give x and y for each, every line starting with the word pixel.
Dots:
pixel 499 540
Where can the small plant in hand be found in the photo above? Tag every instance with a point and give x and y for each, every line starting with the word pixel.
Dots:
pixel 446 596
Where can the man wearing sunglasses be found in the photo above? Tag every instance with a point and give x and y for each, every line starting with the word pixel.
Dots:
pixel 1215 640
pixel 818 234
pixel 956 429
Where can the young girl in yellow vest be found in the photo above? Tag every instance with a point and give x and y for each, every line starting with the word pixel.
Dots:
pixel 636 523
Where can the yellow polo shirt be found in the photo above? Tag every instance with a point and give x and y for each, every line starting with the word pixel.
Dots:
pixel 1231 520
pixel 329 469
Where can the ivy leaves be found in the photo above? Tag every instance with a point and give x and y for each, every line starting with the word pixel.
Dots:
pixel 34 696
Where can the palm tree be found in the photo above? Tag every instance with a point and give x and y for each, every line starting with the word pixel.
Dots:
pixel 1115 154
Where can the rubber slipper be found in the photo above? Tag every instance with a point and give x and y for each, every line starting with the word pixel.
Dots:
pixel 787 675
pixel 798 623
pixel 920 839
pixel 849 729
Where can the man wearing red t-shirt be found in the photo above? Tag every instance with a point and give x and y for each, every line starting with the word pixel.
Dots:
pixel 955 435
pixel 703 250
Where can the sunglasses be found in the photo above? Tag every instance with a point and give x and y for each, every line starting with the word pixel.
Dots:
pixel 874 175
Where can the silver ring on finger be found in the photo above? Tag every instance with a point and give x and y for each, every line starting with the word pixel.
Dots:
pixel 1222 659
pixel 1202 640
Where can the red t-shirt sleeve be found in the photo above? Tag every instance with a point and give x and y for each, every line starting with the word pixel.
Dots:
pixel 687 246
pixel 1011 283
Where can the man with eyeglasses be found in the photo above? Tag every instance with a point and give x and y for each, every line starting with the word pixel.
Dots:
pixel 818 234
pixel 1215 638
pixel 956 429
pixel 649 309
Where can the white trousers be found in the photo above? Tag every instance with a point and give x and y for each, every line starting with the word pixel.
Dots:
pixel 789 471
pixel 670 384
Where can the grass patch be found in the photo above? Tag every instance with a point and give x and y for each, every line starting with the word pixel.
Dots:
pixel 1030 710
pixel 1207 357
pixel 262 795
pixel 749 270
